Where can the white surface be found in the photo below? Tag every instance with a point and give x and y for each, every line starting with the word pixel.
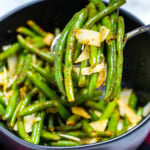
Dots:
pixel 140 8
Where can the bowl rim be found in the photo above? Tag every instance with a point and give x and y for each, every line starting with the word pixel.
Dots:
pixel 34 146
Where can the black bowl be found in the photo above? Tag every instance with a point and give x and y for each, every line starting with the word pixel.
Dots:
pixel 56 13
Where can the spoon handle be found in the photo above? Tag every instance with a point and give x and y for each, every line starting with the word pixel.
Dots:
pixel 136 32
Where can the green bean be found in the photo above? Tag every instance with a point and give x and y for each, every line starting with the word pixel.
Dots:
pixel 93 49
pixel 103 13
pixel 81 98
pixel 80 19
pixel 139 111
pixel 36 28
pixel 82 78
pixel 38 107
pixel 58 56
pixel 94 117
pixel 64 143
pixel 14 116
pixel 27 99
pixel 126 124
pixel 82 134
pixel 12 104
pixel 63 112
pixel 60 122
pixel 3 99
pixel 114 119
pixel 49 136
pixel 72 120
pixel 114 24
pixel 77 51
pixel 93 53
pixel 21 61
pixel 79 134
pixel 26 31
pixel 110 61
pixel 13 49
pixel 37 127
pixel 2 64
pixel 87 128
pixel 41 85
pixel 69 128
pixel 36 131
pixel 48 75
pixel 93 78
pixel 114 17
pixel 51 123
pixel 120 36
pixel 133 101
pixel 31 48
pixel 108 110
pixel 105 134
pixel 22 76
pixel 99 106
pixel 2 110
pixel 21 131
pixel 37 41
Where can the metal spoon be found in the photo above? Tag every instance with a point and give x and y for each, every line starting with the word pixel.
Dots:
pixel 128 36
pixel 136 32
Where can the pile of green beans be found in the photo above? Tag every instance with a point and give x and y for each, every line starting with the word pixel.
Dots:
pixel 46 90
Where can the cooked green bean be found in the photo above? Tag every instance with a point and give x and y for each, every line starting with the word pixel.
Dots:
pixel 114 119
pixel 48 75
pixel 26 31
pixel 133 101
pixel 139 111
pixel 72 120
pixel 120 36
pixel 21 131
pixel 70 128
pixel 38 107
pixel 13 49
pixel 27 99
pixel 12 104
pixel 103 13
pixel 36 28
pixel 79 134
pixel 79 21
pixel 2 110
pixel 64 143
pixel 36 131
pixel 94 117
pixel 49 136
pixel 108 110
pixel 110 61
pixel 45 56
pixel 41 85
pixel 21 61
pixel 3 99
pixel 87 128
pixel 51 122
pixel 93 78
pixel 14 116
pixel 99 106
pixel 22 76
pixel 58 56
pixel 63 112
